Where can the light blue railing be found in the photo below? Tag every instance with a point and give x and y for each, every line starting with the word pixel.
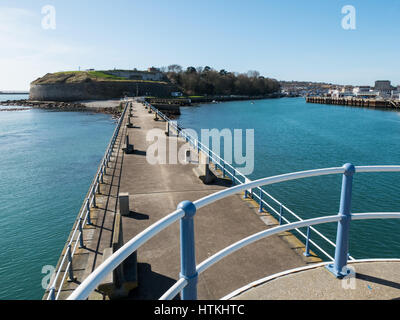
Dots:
pixel 186 211
pixel 263 198
pixel 187 284
pixel 76 239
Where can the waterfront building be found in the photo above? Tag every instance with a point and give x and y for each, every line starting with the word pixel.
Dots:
pixel 384 88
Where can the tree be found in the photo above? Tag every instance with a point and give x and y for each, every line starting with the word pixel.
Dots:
pixel 207 81
pixel 191 70
pixel 253 74
pixel 175 68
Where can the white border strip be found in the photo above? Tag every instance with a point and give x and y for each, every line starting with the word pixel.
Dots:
pixel 295 270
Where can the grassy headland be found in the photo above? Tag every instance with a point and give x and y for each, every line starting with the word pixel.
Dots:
pixel 84 76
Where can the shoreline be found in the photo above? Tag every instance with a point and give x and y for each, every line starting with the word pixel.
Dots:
pixel 59 106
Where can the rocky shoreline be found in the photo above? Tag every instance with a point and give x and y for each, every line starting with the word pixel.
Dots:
pixel 58 106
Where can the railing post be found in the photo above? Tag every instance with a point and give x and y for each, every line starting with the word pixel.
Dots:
pixel 70 270
pixel 188 251
pixel 81 244
pixel 52 294
pixel 94 196
pixel 280 213
pixel 307 251
pixel 89 219
pixel 98 184
pixel 342 237
pixel 261 202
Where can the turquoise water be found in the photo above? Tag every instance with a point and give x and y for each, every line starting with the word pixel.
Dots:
pixel 291 135
pixel 48 160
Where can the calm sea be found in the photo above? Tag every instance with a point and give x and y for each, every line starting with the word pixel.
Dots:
pixel 291 135
pixel 47 163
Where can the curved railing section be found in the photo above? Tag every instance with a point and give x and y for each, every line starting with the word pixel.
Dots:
pixel 76 238
pixel 187 284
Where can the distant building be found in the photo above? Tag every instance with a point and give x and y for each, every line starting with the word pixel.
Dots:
pixel 384 88
pixel 154 75
pixel 365 92
pixel 153 69
pixel 361 89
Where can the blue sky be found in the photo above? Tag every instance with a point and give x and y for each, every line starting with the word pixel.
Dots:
pixel 285 39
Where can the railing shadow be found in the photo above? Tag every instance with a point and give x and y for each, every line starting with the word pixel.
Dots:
pixel 376 280
pixel 152 285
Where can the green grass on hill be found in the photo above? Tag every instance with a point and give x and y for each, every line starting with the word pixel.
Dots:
pixel 84 76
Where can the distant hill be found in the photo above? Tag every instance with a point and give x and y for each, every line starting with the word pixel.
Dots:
pixel 84 76
pixel 95 85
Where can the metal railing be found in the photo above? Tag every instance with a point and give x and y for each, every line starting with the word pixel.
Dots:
pixel 76 238
pixel 258 194
pixel 187 284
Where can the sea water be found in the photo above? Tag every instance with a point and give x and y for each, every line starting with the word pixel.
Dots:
pixel 47 162
pixel 292 135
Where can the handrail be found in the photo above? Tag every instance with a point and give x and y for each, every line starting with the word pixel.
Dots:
pixel 83 217
pixel 187 210
pixel 91 282
pixel 287 227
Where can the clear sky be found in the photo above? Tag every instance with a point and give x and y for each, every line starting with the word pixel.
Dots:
pixel 285 39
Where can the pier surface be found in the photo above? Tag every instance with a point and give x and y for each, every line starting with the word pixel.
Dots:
pixel 375 280
pixel 155 191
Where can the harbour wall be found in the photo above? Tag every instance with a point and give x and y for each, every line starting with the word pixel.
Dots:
pixel 97 90
pixel 356 102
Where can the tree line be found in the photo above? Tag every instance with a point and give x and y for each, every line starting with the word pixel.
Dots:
pixel 207 81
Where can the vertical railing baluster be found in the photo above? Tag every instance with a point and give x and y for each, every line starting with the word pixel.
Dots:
pixel 94 196
pixel 188 251
pixel 70 269
pixel 261 201
pixel 52 294
pixel 81 244
pixel 342 237
pixel 307 250
pixel 89 219
pixel 280 213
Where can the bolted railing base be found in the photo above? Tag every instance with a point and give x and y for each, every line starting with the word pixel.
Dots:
pixel 338 274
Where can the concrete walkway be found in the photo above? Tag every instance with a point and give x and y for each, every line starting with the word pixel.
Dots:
pixel 156 190
pixel 374 280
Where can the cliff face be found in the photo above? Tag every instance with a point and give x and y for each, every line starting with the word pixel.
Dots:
pixel 84 86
